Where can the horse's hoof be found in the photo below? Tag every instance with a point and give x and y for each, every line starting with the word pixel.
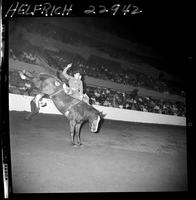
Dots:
pixel 80 144
pixel 74 145
pixel 27 119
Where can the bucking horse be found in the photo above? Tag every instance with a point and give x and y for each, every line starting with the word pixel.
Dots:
pixel 75 110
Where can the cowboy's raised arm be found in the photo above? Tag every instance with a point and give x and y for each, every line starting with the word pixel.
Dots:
pixel 80 86
pixel 67 76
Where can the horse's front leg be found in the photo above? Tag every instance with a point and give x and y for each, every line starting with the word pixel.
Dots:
pixel 78 126
pixel 72 131
pixel 35 107
pixel 37 99
pixel 34 110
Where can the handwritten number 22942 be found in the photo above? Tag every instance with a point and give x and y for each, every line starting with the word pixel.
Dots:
pixel 132 9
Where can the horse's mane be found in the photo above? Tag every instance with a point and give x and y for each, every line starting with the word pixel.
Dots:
pixel 45 76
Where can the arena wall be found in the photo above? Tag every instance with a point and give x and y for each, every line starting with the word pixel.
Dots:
pixel 22 103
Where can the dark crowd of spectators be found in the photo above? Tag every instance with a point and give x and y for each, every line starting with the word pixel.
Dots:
pixel 127 77
pixel 98 96
pixel 112 98
pixel 72 37
pixel 25 57
pixel 108 97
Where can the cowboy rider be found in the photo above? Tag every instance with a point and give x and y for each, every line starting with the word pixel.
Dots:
pixel 75 88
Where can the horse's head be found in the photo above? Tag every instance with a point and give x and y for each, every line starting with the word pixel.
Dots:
pixel 94 121
pixel 25 75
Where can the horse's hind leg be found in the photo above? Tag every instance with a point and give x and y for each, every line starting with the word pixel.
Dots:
pixel 78 126
pixel 72 131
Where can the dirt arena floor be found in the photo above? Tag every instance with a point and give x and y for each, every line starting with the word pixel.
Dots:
pixel 122 157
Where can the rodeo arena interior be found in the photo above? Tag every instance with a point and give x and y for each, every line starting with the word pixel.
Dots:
pixel 135 136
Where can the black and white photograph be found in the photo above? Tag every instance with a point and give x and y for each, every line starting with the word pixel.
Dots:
pixel 97 104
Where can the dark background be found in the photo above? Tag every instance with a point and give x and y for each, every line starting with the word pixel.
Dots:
pixel 165 26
